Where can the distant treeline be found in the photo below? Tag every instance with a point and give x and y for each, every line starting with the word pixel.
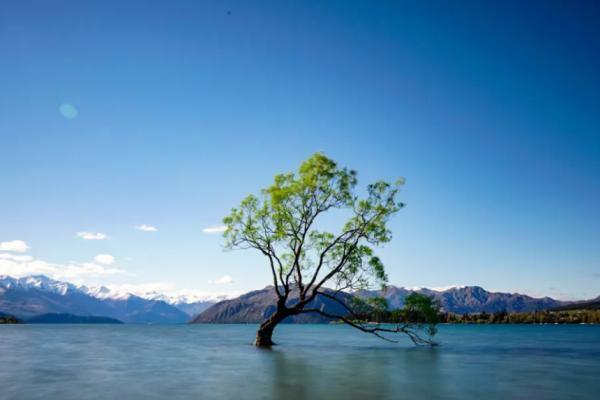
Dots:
pixel 536 317
pixel 8 319
pixel 503 317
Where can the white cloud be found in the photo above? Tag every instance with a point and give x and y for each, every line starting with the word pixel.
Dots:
pixel 105 259
pixel 76 272
pixel 448 287
pixel 79 271
pixel 7 256
pixel 17 246
pixel 92 235
pixel 435 288
pixel 20 268
pixel 146 228
pixel 215 229
pixel 224 280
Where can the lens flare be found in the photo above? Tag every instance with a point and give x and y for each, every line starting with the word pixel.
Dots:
pixel 68 110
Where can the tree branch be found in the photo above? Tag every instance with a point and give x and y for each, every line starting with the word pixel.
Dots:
pixel 352 312
pixel 377 330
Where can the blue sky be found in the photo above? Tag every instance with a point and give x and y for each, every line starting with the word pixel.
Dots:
pixel 168 113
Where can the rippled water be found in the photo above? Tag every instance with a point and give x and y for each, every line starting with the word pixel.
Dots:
pixel 311 361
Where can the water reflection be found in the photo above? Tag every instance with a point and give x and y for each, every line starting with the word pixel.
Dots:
pixel 373 373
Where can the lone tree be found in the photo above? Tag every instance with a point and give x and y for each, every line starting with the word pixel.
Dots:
pixel 283 224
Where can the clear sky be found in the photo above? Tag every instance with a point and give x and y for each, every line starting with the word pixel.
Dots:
pixel 118 114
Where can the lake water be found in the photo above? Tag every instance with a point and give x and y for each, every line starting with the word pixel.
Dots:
pixel 311 362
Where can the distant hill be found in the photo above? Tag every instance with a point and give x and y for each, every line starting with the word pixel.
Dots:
pixel 580 305
pixel 191 305
pixel 55 318
pixel 27 297
pixel 35 295
pixel 8 319
pixel 469 299
pixel 256 306
pixel 194 308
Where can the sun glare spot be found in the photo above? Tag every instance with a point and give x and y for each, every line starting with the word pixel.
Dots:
pixel 68 110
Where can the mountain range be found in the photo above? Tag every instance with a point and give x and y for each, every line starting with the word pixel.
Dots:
pixel 31 296
pixel 38 294
pixel 580 305
pixel 256 306
pixel 469 299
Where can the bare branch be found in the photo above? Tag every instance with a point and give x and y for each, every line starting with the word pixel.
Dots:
pixel 378 330
pixel 352 312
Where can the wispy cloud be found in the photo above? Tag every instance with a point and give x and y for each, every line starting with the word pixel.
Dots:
pixel 92 235
pixel 17 246
pixel 104 259
pixel 12 257
pixel 215 229
pixel 448 287
pixel 435 288
pixel 224 280
pixel 146 228
pixel 79 272
pixel 76 272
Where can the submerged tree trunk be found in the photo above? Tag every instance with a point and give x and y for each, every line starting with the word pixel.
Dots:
pixel 264 335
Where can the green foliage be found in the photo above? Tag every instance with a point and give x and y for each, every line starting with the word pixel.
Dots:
pixel 280 223
pixel 536 317
pixel 407 315
pixel 8 319
pixel 370 309
pixel 421 309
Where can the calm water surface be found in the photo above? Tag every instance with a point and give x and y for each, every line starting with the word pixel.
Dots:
pixel 312 361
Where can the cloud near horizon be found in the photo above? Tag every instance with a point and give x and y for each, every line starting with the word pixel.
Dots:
pixel 224 280
pixel 12 257
pixel 104 259
pixel 215 229
pixel 75 272
pixel 17 246
pixel 92 235
pixel 436 288
pixel 169 290
pixel 146 228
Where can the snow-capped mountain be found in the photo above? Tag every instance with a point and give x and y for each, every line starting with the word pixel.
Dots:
pixel 38 294
pixel 39 282
pixel 193 305
pixel 104 293
pixel 189 303
pixel 186 298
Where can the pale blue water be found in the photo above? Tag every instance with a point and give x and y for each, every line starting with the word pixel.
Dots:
pixel 311 361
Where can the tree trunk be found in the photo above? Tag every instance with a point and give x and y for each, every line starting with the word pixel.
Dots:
pixel 264 334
